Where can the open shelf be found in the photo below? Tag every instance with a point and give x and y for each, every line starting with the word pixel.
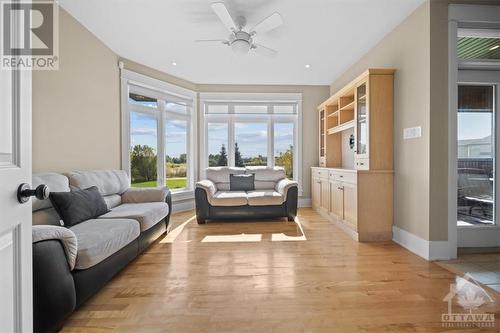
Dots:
pixel 334 114
pixel 349 106
pixel 341 127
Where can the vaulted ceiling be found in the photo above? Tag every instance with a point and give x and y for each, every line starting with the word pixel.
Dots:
pixel 327 35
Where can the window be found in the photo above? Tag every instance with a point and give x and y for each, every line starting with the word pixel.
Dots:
pixel 217 144
pixel 252 130
pixel 250 144
pixel 158 130
pixel 283 147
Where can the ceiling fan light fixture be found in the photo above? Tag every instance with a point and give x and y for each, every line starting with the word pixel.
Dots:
pixel 240 47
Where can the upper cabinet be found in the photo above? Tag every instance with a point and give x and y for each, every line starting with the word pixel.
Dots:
pixel 356 123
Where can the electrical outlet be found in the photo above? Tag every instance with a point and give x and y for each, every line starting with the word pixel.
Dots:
pixel 412 132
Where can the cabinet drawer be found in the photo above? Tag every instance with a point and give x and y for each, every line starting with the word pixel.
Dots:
pixel 340 176
pixel 321 173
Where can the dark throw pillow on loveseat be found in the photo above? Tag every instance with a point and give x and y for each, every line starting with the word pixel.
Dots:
pixel 241 182
pixel 78 205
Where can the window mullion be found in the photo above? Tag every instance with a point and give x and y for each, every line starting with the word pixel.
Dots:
pixel 160 159
pixel 270 138
pixel 231 138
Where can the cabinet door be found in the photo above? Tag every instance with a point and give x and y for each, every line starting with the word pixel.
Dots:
pixel 316 192
pixel 336 200
pixel 325 194
pixel 351 205
pixel 361 128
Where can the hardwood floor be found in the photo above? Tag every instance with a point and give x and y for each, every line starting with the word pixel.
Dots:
pixel 271 277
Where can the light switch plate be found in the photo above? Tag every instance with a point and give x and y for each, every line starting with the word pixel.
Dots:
pixel 412 132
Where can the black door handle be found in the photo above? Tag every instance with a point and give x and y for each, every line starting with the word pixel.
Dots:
pixel 24 192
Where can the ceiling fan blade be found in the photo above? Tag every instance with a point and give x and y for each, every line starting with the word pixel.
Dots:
pixel 212 41
pixel 220 9
pixel 265 51
pixel 268 24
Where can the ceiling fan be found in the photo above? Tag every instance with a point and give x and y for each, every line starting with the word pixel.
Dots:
pixel 240 39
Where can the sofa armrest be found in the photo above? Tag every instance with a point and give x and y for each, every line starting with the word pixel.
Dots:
pixel 147 194
pixel 284 185
pixel 208 186
pixel 54 295
pixel 64 235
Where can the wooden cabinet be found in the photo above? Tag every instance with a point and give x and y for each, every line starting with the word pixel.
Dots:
pixel 356 157
pixel 325 194
pixel 350 192
pixel 364 106
pixel 336 200
pixel 316 192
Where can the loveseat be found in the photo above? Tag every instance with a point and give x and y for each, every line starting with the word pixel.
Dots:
pixel 272 194
pixel 72 264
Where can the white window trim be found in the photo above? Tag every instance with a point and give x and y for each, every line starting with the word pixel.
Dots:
pixel 252 98
pixel 129 77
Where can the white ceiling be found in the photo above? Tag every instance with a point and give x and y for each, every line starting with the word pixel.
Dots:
pixel 330 35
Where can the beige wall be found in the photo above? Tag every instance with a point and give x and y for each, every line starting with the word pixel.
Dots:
pixel 76 110
pixel 406 49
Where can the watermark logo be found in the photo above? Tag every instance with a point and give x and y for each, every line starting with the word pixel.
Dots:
pixel 30 35
pixel 470 297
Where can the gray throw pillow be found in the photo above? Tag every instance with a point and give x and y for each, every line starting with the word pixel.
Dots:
pixel 78 205
pixel 241 182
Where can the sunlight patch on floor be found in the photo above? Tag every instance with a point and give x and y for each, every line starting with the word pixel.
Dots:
pixel 232 238
pixel 173 234
pixel 284 238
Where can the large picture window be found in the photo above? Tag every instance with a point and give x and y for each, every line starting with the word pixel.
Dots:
pixel 252 130
pixel 158 133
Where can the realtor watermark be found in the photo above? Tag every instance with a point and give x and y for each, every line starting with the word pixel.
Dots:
pixel 29 35
pixel 470 297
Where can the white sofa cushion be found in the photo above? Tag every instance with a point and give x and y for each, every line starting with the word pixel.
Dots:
pixel 56 183
pixel 266 174
pixel 100 238
pixel 147 194
pixel 264 198
pixel 147 214
pixel 228 198
pixel 107 181
pixel 113 200
pixel 220 176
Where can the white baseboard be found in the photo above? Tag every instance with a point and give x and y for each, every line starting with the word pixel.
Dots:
pixel 429 250
pixel 304 203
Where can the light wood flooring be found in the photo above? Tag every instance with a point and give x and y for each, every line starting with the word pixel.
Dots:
pixel 273 276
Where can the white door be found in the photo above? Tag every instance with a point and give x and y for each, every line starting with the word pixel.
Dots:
pixel 15 218
pixel 477 162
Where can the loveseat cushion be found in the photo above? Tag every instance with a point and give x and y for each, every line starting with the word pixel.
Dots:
pixel 147 214
pixel 56 183
pixel 228 198
pixel 100 238
pixel 264 198
pixel 220 176
pixel 107 181
pixel 266 177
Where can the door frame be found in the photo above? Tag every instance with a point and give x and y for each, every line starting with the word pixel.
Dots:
pixel 469 16
pixel 487 235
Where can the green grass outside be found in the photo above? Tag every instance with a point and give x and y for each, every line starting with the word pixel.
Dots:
pixel 172 183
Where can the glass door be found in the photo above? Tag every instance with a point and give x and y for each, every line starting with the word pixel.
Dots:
pixel 361 120
pixel 476 155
